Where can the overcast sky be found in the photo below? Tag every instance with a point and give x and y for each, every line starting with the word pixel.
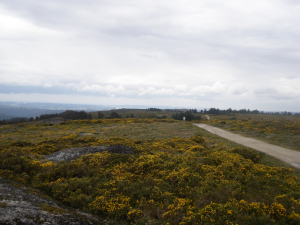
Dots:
pixel 198 54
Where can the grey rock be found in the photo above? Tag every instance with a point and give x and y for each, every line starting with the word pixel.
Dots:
pixel 75 153
pixel 19 206
pixel 85 134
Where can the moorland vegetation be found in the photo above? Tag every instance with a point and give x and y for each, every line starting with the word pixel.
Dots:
pixel 179 174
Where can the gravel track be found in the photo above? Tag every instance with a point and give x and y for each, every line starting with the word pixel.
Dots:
pixel 286 155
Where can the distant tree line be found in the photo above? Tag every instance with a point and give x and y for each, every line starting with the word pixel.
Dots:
pixel 189 116
pixel 100 115
pixel 153 109
pixel 285 113
pixel 131 116
pixel 113 115
pixel 229 111
pixel 16 120
pixel 69 115
pixel 193 110
pixel 242 111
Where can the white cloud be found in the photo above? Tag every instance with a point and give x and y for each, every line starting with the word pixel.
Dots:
pixel 149 90
pixel 180 88
pixel 47 85
pixel 164 91
pixel 216 89
pixel 107 88
pixel 278 94
pixel 13 26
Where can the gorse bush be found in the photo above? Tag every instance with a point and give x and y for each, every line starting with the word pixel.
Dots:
pixel 167 181
pixel 248 154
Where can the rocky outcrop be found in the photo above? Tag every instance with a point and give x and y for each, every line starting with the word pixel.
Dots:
pixel 21 205
pixel 75 153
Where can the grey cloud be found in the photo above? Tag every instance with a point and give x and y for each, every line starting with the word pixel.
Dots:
pixel 276 94
pixel 264 91
pixel 94 47
pixel 148 56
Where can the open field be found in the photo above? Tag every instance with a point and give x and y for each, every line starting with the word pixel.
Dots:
pixel 129 128
pixel 275 129
pixel 179 174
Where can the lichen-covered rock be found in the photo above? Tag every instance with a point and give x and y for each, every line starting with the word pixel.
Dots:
pixel 21 205
pixel 75 153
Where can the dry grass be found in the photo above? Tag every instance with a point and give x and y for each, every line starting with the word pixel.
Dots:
pixel 35 133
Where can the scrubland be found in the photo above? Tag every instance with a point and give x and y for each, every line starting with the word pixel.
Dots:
pixel 179 173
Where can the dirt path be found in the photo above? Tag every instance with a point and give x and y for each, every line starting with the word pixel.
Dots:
pixel 289 156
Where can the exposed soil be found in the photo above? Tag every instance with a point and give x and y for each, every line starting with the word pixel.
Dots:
pixel 286 155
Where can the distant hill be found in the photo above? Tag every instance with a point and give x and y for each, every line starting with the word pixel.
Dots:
pixel 13 112
pixel 54 106
pixel 10 110
pixel 4 117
